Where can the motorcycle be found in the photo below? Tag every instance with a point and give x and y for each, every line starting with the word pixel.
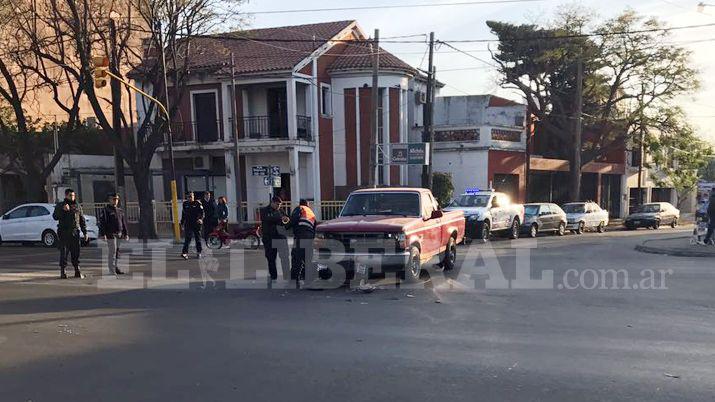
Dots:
pixel 220 237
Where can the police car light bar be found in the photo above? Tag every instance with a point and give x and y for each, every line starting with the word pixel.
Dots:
pixel 472 190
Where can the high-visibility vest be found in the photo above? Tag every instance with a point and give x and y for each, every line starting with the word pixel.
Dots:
pixel 307 217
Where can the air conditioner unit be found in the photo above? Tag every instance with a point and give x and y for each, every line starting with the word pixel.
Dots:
pixel 201 162
pixel 420 97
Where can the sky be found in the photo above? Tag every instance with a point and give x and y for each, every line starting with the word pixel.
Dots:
pixel 463 74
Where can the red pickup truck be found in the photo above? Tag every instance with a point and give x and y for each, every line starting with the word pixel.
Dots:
pixel 390 229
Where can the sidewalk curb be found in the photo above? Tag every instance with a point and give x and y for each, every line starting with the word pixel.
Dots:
pixel 674 253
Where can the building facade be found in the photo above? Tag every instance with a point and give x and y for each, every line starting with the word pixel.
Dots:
pixel 302 106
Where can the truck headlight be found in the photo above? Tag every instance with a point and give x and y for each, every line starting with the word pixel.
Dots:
pixel 401 240
pixel 474 217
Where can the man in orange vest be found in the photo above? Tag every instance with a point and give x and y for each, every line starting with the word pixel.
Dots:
pixel 302 221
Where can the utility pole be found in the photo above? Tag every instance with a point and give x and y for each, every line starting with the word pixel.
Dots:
pixel 576 166
pixel 116 89
pixel 375 101
pixel 427 115
pixel 234 129
pixel 172 184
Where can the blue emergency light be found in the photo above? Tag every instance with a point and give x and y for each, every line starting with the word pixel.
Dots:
pixel 472 190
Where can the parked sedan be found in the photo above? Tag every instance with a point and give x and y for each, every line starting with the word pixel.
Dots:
pixel 543 217
pixel 652 216
pixel 583 216
pixel 34 223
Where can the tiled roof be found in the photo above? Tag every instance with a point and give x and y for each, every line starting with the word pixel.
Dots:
pixel 357 56
pixel 498 101
pixel 253 56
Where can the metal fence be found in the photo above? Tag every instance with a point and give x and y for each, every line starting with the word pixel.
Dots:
pixel 163 215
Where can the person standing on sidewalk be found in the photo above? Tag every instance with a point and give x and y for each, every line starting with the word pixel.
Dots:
pixel 192 215
pixel 222 213
pixel 70 221
pixel 113 227
pixel 711 219
pixel 210 214
pixel 302 221
pixel 275 242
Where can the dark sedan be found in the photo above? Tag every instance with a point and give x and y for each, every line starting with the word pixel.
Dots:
pixel 653 215
pixel 543 217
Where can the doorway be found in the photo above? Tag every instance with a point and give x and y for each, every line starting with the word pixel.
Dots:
pixel 205 117
pixel 277 112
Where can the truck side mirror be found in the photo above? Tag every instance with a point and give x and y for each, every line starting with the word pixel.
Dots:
pixel 436 214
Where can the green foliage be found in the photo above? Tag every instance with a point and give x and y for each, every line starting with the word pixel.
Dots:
pixel 677 154
pixel 442 187
pixel 627 79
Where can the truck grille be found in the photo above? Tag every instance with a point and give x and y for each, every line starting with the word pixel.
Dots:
pixel 364 242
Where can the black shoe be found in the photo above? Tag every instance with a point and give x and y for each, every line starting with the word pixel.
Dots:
pixel 78 274
pixel 63 275
pixel 118 271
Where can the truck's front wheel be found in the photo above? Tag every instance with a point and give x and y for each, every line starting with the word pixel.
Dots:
pixel 414 266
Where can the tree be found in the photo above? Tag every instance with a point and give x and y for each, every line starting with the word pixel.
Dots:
pixel 27 147
pixel 68 33
pixel 677 154
pixel 708 172
pixel 630 72
pixel 442 187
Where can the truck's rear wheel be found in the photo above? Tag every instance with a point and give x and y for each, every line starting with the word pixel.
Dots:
pixel 450 255
pixel 414 266
pixel 533 230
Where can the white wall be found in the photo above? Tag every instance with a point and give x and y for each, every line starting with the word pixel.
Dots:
pixel 475 109
pixel 468 168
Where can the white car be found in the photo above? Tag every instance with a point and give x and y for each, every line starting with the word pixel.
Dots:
pixel 488 212
pixel 581 216
pixel 34 223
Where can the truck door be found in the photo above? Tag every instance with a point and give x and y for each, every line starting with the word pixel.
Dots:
pixel 431 230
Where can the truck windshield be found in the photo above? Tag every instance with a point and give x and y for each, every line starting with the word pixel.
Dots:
pixel 471 200
pixel 574 208
pixel 387 203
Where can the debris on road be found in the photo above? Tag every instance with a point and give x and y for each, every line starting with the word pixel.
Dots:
pixel 671 375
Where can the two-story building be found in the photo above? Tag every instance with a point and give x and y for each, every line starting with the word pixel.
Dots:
pixel 481 141
pixel 302 104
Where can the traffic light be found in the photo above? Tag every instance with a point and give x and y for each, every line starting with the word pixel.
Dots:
pixel 101 78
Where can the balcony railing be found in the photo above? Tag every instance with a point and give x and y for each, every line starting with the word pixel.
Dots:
pixel 197 132
pixel 269 127
pixel 305 130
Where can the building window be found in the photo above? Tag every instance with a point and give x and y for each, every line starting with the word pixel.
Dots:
pixel 326 100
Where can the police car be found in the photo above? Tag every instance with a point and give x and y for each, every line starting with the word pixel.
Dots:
pixel 487 212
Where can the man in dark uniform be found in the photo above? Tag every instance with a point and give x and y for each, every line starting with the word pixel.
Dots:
pixel 302 221
pixel 210 214
pixel 192 215
pixel 274 239
pixel 113 227
pixel 70 221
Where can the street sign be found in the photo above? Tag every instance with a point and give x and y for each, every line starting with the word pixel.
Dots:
pixel 276 181
pixel 406 154
pixel 275 171
pixel 259 170
pixel 267 181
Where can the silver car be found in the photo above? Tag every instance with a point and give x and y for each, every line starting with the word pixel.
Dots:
pixel 652 215
pixel 583 216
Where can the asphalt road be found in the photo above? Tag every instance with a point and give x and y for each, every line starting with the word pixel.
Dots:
pixel 458 337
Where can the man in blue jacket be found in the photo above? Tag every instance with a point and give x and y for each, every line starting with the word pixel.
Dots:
pixel 113 228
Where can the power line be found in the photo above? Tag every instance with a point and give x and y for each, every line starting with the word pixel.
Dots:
pixel 467 54
pixel 384 7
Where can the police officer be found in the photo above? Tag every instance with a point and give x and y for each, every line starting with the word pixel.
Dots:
pixel 274 239
pixel 210 214
pixel 113 227
pixel 302 221
pixel 192 216
pixel 70 221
